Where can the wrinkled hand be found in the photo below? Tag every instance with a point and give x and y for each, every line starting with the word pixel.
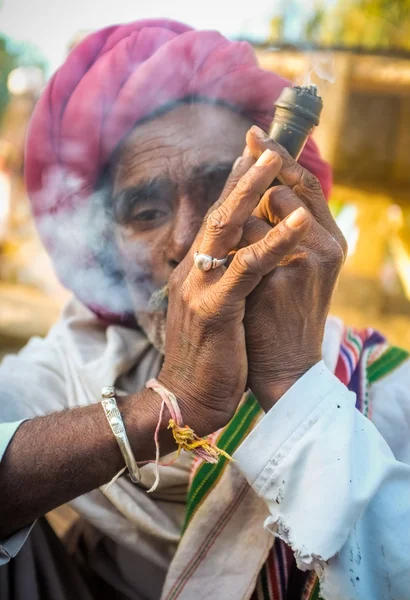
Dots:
pixel 286 313
pixel 205 357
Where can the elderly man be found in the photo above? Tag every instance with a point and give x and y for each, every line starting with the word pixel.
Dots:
pixel 130 147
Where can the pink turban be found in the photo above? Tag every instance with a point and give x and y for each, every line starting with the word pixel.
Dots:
pixel 109 82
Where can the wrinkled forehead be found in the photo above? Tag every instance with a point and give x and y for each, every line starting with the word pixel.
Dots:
pixel 175 144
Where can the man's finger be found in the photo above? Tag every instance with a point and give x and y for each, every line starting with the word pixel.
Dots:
pixel 240 167
pixel 252 263
pixel 303 183
pixel 224 225
pixel 276 205
pixel 257 141
pixel 320 210
pixel 279 201
pixel 254 230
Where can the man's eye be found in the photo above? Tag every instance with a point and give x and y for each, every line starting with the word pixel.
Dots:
pixel 149 215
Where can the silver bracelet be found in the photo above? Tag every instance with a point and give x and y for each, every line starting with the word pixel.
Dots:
pixel 116 423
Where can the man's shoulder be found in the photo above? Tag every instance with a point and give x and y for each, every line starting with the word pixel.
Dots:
pixel 367 348
pixel 379 357
pixel 388 382
pixel 379 373
pixel 386 361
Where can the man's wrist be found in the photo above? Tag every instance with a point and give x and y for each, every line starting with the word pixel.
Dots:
pixel 271 389
pixel 193 404
pixel 141 413
pixel 268 395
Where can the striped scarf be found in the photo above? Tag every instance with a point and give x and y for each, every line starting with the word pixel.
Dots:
pixel 364 358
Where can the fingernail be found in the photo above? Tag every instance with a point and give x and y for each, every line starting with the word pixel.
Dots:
pixel 297 218
pixel 259 133
pixel 237 162
pixel 265 158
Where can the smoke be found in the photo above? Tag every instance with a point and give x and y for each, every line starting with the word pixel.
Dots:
pixel 320 68
pixel 81 242
pixel 85 250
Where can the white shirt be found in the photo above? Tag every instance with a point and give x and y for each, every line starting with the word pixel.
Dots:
pixel 337 494
pixel 337 485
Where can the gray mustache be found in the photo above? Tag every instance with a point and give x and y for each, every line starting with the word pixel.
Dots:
pixel 159 300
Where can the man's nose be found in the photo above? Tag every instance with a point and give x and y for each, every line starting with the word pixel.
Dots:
pixel 186 224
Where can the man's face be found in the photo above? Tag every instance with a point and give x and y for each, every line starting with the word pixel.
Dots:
pixel 169 172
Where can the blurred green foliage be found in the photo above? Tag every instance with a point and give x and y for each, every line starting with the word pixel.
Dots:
pixel 359 24
pixel 12 55
pixel 368 24
pixel 8 62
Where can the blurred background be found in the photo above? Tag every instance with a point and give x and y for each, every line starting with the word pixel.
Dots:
pixel 356 51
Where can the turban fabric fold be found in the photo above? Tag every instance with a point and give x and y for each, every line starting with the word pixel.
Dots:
pixel 109 82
